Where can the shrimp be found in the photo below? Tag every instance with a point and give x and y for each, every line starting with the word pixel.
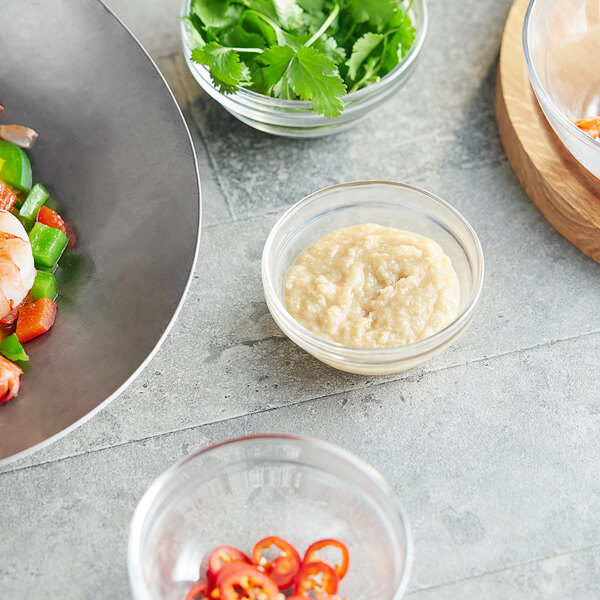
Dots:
pixel 21 136
pixel 10 380
pixel 591 126
pixel 17 269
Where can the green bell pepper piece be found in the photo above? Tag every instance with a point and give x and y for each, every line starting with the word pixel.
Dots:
pixel 16 168
pixel 47 244
pixel 35 200
pixel 11 348
pixel 44 285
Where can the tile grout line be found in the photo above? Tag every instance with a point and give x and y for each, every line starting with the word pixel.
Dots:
pixel 503 569
pixel 414 179
pixel 299 403
pixel 213 164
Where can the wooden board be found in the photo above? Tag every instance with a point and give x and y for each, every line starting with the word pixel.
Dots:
pixel 566 193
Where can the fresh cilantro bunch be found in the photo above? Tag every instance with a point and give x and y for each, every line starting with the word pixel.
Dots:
pixel 315 50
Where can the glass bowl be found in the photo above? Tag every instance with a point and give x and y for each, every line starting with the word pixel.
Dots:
pixel 243 490
pixel 385 203
pixel 295 118
pixel 561 42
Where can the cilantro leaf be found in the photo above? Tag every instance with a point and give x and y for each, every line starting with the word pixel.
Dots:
pixel 399 43
pixel 277 59
pixel 283 89
pixel 195 31
pixel 361 50
pixel 406 34
pixel 252 23
pixel 285 13
pixel 328 46
pixel 212 12
pixel 215 13
pixel 376 12
pixel 370 76
pixel 238 37
pixel 312 6
pixel 224 65
pixel 293 41
pixel 314 76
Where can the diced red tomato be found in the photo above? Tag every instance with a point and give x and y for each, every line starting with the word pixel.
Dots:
pixel 49 217
pixel 313 550
pixel 316 580
pixel 221 556
pixel 7 197
pixel 35 319
pixel 237 581
pixel 282 569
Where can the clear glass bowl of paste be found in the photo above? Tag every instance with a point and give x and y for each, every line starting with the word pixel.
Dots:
pixel 389 204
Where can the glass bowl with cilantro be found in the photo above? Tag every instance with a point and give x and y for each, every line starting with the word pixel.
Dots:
pixel 302 68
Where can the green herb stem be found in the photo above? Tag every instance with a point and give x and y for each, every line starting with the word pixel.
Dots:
pixel 325 26
pixel 357 85
pixel 259 15
pixel 349 34
pixel 252 50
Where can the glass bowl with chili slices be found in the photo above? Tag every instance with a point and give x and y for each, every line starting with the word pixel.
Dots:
pixel 266 518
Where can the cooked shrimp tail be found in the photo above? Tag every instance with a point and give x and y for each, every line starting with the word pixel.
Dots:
pixel 21 136
pixel 17 269
pixel 10 380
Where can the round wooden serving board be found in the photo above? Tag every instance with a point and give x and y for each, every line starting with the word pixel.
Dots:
pixel 567 194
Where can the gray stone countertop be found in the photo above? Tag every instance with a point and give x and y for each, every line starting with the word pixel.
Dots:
pixel 492 446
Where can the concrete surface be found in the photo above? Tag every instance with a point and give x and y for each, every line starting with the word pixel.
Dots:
pixel 492 446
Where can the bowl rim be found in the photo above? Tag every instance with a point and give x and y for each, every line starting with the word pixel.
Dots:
pixel 543 96
pixel 370 355
pixel 144 507
pixel 251 97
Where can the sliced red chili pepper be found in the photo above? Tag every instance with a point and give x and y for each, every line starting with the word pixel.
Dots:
pixel 224 555
pixel 316 580
pixel 282 569
pixel 199 591
pixel 312 555
pixel 239 581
